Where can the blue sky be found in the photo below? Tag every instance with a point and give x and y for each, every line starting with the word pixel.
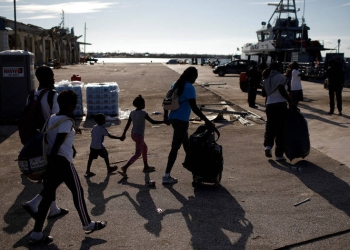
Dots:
pixel 178 26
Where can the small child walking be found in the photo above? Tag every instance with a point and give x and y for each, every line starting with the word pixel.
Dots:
pixel 138 118
pixel 98 133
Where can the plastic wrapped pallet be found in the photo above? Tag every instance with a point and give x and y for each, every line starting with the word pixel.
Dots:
pixel 102 98
pixel 77 87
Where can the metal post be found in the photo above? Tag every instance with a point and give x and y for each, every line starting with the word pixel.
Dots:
pixel 84 39
pixel 14 7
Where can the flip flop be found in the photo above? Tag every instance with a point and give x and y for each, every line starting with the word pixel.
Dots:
pixel 98 226
pixel 29 211
pixel 123 174
pixel 46 239
pixel 62 213
pixel 89 174
pixel 149 169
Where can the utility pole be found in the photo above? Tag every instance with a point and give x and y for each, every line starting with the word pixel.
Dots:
pixel 338 45
pixel 84 39
pixel 14 7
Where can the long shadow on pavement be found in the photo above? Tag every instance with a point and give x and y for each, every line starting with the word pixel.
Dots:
pixel 320 118
pixel 209 213
pixel 16 217
pixel 322 182
pixel 145 206
pixel 96 196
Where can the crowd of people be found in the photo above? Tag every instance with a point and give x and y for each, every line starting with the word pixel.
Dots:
pixel 281 92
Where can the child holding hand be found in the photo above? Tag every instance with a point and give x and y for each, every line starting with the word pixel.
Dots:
pixel 98 133
pixel 138 118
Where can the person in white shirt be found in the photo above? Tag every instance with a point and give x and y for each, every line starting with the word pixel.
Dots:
pixel 276 111
pixel 49 106
pixel 296 91
pixel 97 148
pixel 60 169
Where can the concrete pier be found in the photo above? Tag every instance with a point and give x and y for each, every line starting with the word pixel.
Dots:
pixel 254 208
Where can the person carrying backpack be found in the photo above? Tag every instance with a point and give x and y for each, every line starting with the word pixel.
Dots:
pixel 61 169
pixel 179 118
pixel 41 104
pixel 48 106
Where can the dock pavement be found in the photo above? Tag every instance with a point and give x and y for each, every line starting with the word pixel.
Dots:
pixel 260 204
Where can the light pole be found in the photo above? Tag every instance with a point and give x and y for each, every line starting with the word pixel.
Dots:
pixel 338 44
pixel 14 7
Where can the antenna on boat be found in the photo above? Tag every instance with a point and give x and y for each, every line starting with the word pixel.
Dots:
pixel 84 39
pixel 302 28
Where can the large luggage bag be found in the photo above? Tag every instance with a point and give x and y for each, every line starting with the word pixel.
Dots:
pixel 297 141
pixel 204 158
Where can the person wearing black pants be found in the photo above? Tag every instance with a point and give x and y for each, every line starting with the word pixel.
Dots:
pixel 335 77
pixel 60 137
pixel 254 79
pixel 179 118
pixel 60 170
pixel 338 95
pixel 274 87
pixel 276 116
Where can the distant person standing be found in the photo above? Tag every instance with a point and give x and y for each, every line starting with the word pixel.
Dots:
pixel 296 91
pixel 335 77
pixel 276 111
pixel 254 79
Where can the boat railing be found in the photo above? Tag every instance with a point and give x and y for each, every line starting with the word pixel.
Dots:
pixel 309 69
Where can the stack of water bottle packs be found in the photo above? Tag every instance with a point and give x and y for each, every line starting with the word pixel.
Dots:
pixel 102 98
pixel 77 87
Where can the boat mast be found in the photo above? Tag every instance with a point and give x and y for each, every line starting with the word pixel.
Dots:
pixel 302 28
pixel 84 39
pixel 284 8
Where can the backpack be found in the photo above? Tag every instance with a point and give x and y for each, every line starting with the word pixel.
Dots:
pixel 32 159
pixel 171 100
pixel 32 119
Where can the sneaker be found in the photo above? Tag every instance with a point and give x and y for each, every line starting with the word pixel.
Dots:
pixel 280 158
pixel 268 152
pixel 169 180
pixel 340 113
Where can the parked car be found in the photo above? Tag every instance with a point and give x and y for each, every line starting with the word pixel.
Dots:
pixel 172 61
pixel 91 59
pixel 234 67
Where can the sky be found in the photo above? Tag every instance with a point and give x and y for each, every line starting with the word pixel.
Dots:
pixel 178 26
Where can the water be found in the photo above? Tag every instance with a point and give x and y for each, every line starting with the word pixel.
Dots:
pixel 133 60
pixel 148 60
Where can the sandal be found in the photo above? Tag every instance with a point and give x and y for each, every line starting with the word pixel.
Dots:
pixel 90 174
pixel 149 169
pixel 46 239
pixel 98 226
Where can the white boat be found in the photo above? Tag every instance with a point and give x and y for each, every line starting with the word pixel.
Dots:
pixel 283 38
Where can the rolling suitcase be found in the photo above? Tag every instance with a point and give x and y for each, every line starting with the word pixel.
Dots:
pixel 204 158
pixel 297 141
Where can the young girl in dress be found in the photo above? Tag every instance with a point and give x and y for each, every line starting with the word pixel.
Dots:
pixel 138 118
